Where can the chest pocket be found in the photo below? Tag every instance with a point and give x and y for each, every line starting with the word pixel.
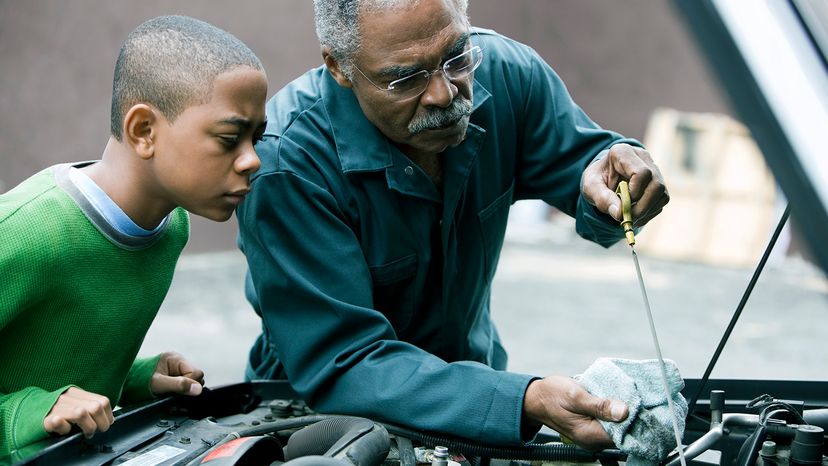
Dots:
pixel 493 227
pixel 394 284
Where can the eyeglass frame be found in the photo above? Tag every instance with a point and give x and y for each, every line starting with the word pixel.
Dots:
pixel 391 91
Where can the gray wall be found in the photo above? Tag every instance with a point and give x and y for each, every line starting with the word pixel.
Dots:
pixel 620 59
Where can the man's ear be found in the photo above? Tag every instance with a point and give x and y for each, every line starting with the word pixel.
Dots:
pixel 140 129
pixel 333 68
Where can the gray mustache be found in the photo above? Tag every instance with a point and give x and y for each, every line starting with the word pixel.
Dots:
pixel 435 118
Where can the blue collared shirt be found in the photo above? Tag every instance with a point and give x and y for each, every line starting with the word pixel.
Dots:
pixel 374 286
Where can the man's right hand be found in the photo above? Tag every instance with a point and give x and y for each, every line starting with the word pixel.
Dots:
pixel 89 411
pixel 563 405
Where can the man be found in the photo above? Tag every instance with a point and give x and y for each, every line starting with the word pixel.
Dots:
pixel 373 229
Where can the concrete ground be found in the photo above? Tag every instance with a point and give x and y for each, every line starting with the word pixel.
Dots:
pixel 559 303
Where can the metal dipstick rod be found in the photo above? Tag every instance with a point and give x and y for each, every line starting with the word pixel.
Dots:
pixel 626 223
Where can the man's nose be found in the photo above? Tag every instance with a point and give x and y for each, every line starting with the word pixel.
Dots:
pixel 440 91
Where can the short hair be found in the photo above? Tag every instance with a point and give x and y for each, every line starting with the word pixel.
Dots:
pixel 170 62
pixel 338 27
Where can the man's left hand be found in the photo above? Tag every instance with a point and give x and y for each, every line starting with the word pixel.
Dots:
pixel 634 164
pixel 174 374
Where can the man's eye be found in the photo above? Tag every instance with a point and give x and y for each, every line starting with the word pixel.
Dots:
pixel 409 82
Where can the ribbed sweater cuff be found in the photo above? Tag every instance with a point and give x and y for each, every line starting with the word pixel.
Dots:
pixel 137 385
pixel 35 404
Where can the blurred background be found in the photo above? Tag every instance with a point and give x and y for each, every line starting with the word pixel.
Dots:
pixel 559 301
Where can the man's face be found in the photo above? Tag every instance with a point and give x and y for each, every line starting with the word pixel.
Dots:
pixel 204 158
pixel 401 42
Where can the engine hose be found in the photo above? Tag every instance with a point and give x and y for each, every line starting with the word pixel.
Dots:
pixel 531 452
pixel 265 428
pixel 364 442
pixel 284 424
pixel 750 449
pixel 317 438
pixel 316 460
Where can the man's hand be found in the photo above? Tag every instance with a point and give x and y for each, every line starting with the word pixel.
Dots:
pixel 563 405
pixel 634 164
pixel 89 411
pixel 174 374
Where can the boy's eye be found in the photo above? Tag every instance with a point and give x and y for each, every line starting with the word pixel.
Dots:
pixel 228 140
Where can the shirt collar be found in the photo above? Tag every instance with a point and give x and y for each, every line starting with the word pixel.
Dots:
pixel 359 144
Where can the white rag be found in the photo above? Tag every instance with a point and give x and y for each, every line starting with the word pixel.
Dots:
pixel 646 436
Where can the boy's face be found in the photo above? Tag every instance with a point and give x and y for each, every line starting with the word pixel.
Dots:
pixel 204 158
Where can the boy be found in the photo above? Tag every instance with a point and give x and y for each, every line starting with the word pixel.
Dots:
pixel 87 250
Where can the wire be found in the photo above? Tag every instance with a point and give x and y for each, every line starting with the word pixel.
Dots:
pixel 771 406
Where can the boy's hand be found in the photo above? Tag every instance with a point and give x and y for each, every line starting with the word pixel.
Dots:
pixel 89 411
pixel 174 374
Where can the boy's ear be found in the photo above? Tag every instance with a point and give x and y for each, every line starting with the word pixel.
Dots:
pixel 140 129
pixel 333 68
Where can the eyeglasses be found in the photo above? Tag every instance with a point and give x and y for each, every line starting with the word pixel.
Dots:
pixel 415 84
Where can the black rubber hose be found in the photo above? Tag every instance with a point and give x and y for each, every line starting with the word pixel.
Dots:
pixel 316 460
pixel 265 428
pixel 318 438
pixel 531 452
pixel 371 449
pixel 363 442
pixel 283 424
pixel 750 449
pixel 817 417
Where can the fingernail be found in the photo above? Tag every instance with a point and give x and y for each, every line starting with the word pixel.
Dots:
pixel 613 211
pixel 617 411
pixel 195 389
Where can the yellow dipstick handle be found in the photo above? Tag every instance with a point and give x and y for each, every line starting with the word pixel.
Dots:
pixel 623 192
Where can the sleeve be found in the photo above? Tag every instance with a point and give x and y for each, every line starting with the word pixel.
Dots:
pixel 21 417
pixel 559 142
pixel 137 384
pixel 313 289
pixel 21 412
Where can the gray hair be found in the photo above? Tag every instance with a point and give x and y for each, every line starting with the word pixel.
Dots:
pixel 170 62
pixel 338 27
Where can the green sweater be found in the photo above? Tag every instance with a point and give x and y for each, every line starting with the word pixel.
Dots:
pixel 76 300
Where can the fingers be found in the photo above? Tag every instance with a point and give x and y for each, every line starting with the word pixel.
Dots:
pixel 194 373
pixel 562 404
pixel 181 385
pixel 624 162
pixel 56 424
pixel 590 434
pixel 174 374
pixel 647 189
pixel 600 408
pixel 180 366
pixel 596 189
pixel 89 411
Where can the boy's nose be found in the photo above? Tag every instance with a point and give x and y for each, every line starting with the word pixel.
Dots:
pixel 248 161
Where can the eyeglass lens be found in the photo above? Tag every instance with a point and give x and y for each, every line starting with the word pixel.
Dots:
pixel 455 68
